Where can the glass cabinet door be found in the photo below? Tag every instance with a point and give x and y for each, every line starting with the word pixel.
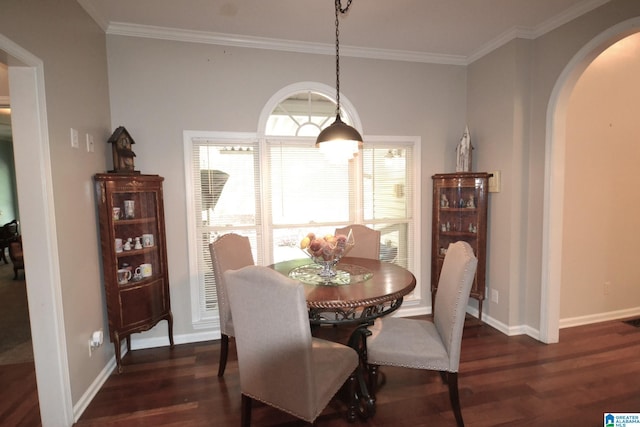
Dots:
pixel 459 214
pixel 134 255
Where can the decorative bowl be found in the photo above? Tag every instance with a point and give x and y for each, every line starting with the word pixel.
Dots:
pixel 327 251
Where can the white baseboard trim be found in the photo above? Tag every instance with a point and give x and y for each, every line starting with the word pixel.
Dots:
pixel 412 311
pixel 505 329
pixel 138 343
pixel 599 317
pixel 94 388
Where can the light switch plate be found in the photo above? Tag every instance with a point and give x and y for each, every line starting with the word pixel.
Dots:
pixel 494 182
pixel 90 145
pixel 74 138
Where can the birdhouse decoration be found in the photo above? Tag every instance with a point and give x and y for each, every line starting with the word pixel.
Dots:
pixel 123 155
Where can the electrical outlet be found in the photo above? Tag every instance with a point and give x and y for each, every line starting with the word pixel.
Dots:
pixel 95 341
pixel 494 296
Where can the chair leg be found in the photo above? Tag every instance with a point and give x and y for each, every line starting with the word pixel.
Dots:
pixel 454 397
pixel 246 411
pixel 224 352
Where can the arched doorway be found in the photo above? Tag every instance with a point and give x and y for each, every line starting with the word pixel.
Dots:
pixel 555 174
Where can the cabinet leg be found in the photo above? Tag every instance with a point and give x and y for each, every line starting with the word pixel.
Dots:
pixel 170 326
pixel 116 344
pixel 433 302
pixel 480 310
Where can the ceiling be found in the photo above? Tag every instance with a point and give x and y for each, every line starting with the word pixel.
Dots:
pixel 460 28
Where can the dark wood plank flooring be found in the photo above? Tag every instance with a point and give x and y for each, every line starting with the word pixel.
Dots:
pixel 19 395
pixel 504 381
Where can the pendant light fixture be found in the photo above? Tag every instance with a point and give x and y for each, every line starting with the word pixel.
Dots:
pixel 339 141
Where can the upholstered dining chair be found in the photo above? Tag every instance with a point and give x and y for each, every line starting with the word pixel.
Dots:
pixel 422 344
pixel 280 363
pixel 17 256
pixel 8 233
pixel 367 241
pixel 229 252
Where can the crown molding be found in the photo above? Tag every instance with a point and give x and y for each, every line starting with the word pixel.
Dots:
pixel 501 40
pixel 540 30
pixel 223 39
pixel 190 36
pixel 568 15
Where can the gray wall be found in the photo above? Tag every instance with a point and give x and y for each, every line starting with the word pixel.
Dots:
pixel 509 93
pixel 498 109
pixel 73 52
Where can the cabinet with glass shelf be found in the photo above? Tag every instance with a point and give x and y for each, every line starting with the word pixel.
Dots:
pixel 460 203
pixel 134 255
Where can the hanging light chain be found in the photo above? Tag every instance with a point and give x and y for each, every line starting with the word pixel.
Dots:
pixel 339 138
pixel 340 10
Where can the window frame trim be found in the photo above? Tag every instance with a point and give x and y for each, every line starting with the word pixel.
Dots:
pixel 198 318
pixel 417 301
pixel 413 305
pixel 308 86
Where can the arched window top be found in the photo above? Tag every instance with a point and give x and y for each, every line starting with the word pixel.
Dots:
pixel 303 110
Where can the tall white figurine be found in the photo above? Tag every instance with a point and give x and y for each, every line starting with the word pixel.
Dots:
pixel 463 152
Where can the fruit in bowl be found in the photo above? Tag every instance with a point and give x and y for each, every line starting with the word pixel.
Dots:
pixel 327 251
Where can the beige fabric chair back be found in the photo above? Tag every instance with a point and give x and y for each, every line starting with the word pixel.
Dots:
pixel 422 344
pixel 367 241
pixel 276 353
pixel 229 252
pixel 454 286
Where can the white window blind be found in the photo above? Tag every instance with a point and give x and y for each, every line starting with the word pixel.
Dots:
pixel 389 198
pixel 225 180
pixel 277 189
pixel 305 192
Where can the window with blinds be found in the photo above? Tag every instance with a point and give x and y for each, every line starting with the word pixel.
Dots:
pixel 224 179
pixel 275 190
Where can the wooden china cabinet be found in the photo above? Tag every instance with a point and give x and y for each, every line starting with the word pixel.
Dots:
pixel 460 202
pixel 134 254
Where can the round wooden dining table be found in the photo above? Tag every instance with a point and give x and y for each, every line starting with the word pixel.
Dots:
pixel 363 289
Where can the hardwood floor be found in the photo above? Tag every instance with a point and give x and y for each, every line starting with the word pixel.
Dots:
pixel 18 392
pixel 19 396
pixel 504 381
